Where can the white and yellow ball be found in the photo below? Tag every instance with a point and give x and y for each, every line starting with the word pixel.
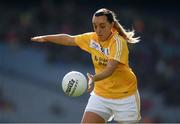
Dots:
pixel 74 83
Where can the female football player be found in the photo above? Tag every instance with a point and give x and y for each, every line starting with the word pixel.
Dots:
pixel 114 85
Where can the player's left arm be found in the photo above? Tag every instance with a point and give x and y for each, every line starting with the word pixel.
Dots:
pixel 111 66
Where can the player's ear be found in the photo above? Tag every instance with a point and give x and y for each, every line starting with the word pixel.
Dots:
pixel 112 24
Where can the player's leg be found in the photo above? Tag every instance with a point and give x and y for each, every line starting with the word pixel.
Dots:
pixel 91 117
pixel 128 122
pixel 96 111
pixel 127 110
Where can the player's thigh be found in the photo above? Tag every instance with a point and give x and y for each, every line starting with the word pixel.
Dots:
pixel 91 117
pixel 128 122
pixel 127 110
pixel 97 106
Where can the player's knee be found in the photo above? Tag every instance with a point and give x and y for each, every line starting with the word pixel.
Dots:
pixel 90 117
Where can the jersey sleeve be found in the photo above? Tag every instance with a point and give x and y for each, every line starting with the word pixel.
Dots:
pixel 118 51
pixel 83 41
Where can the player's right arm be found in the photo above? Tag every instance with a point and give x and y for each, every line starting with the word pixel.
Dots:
pixel 62 39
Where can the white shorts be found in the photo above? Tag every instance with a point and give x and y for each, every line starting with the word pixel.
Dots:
pixel 126 109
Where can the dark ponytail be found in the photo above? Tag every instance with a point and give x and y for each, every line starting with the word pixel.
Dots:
pixel 127 35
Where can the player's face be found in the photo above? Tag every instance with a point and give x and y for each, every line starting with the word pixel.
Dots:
pixel 102 27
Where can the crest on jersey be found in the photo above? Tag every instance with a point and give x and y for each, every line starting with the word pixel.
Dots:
pixel 95 45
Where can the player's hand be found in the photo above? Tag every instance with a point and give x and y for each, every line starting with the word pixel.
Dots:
pixel 90 82
pixel 38 39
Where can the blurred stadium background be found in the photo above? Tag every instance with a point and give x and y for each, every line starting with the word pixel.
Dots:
pixel 31 73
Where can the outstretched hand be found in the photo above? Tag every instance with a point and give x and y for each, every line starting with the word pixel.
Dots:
pixel 90 82
pixel 38 39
